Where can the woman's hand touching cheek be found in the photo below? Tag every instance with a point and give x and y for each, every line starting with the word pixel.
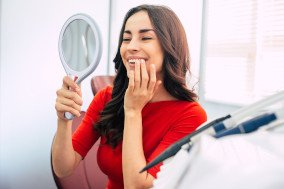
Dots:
pixel 141 87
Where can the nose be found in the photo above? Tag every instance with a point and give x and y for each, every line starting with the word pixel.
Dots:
pixel 133 45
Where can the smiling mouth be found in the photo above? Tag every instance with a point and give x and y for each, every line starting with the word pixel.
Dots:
pixel 133 61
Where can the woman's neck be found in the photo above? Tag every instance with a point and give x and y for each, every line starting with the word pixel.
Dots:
pixel 162 94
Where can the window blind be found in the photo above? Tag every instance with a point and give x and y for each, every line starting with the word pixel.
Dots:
pixel 244 56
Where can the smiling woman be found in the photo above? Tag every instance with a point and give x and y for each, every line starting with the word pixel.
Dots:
pixel 140 42
pixel 151 63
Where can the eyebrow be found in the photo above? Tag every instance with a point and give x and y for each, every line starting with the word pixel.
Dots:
pixel 140 31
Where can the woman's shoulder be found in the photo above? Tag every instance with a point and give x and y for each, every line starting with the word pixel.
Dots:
pixel 105 92
pixel 178 106
pixel 189 105
pixel 191 113
pixel 192 107
pixel 188 108
pixel 195 109
pixel 102 96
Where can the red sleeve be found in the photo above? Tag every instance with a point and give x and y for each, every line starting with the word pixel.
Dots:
pixel 187 122
pixel 85 136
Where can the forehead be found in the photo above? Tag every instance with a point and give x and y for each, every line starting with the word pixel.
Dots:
pixel 138 21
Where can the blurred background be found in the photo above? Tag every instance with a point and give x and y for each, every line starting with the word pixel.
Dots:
pixel 237 58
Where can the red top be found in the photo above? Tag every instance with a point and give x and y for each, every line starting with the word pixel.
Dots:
pixel 163 122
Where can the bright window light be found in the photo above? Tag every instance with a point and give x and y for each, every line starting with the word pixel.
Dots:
pixel 244 51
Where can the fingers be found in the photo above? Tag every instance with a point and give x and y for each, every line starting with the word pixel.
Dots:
pixel 139 79
pixel 153 79
pixel 144 75
pixel 141 87
pixel 68 83
pixel 69 98
pixel 131 83
pixel 67 105
pixel 74 96
pixel 137 76
pixel 68 101
pixel 61 109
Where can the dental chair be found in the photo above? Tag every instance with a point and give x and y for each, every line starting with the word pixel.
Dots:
pixel 87 175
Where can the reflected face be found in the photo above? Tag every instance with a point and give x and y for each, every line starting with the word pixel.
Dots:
pixel 141 42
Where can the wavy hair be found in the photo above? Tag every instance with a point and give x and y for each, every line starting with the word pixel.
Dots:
pixel 176 64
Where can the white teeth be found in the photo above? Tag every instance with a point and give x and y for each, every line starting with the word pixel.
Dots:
pixel 132 61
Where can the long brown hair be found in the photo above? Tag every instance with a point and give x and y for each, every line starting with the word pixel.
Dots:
pixel 176 64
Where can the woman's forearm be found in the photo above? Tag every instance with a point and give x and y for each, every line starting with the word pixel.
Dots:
pixel 64 158
pixel 133 158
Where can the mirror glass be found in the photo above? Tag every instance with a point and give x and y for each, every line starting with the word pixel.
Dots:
pixel 78 45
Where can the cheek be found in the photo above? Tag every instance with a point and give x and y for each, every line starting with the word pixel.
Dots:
pixel 159 58
pixel 158 67
pixel 122 51
pixel 159 63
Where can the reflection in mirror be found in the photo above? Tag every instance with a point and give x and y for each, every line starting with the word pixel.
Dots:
pixel 78 45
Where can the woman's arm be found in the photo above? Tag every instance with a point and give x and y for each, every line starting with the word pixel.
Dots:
pixel 140 91
pixel 64 158
pixel 133 154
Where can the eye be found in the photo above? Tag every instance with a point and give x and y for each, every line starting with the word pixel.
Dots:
pixel 126 39
pixel 146 38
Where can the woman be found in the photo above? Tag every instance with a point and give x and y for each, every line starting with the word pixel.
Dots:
pixel 148 108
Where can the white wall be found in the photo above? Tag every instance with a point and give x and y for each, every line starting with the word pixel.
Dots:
pixel 31 73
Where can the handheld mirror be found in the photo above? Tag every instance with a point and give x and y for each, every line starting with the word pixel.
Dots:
pixel 80 48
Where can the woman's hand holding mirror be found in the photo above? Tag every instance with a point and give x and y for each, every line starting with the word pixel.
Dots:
pixel 80 50
pixel 69 99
